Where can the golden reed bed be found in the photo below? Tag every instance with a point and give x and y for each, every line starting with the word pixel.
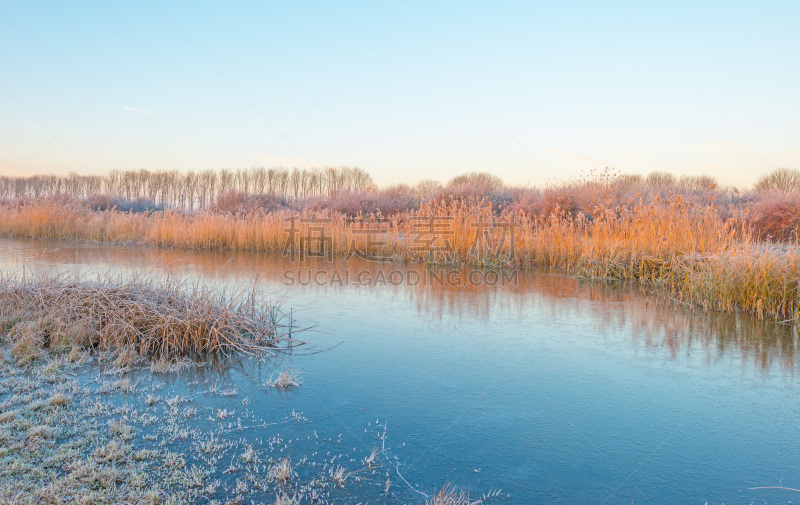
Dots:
pixel 682 250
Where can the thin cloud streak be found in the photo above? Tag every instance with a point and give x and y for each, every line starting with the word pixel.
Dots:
pixel 142 111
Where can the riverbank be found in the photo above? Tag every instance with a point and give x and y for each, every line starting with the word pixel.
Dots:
pixel 682 250
pixel 117 390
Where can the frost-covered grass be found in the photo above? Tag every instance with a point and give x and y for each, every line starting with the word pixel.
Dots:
pixel 89 431
pixel 287 378
pixel 133 318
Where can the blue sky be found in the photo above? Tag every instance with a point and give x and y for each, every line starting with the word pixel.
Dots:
pixel 534 92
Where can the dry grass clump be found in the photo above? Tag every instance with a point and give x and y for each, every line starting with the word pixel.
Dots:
pixel 250 456
pixel 451 495
pixel 59 400
pixel 139 316
pixel 281 471
pixel 27 342
pixel 282 498
pixel 339 475
pixel 112 452
pixel 287 378
pixel 370 461
pixel 38 434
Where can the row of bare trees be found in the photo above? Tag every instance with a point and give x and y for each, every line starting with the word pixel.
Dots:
pixel 190 190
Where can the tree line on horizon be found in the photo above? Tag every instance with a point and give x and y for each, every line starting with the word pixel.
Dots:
pixel 191 190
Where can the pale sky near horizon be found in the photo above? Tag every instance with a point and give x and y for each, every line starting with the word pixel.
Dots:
pixel 533 92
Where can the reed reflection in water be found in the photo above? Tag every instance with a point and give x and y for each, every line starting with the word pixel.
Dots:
pixel 655 324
